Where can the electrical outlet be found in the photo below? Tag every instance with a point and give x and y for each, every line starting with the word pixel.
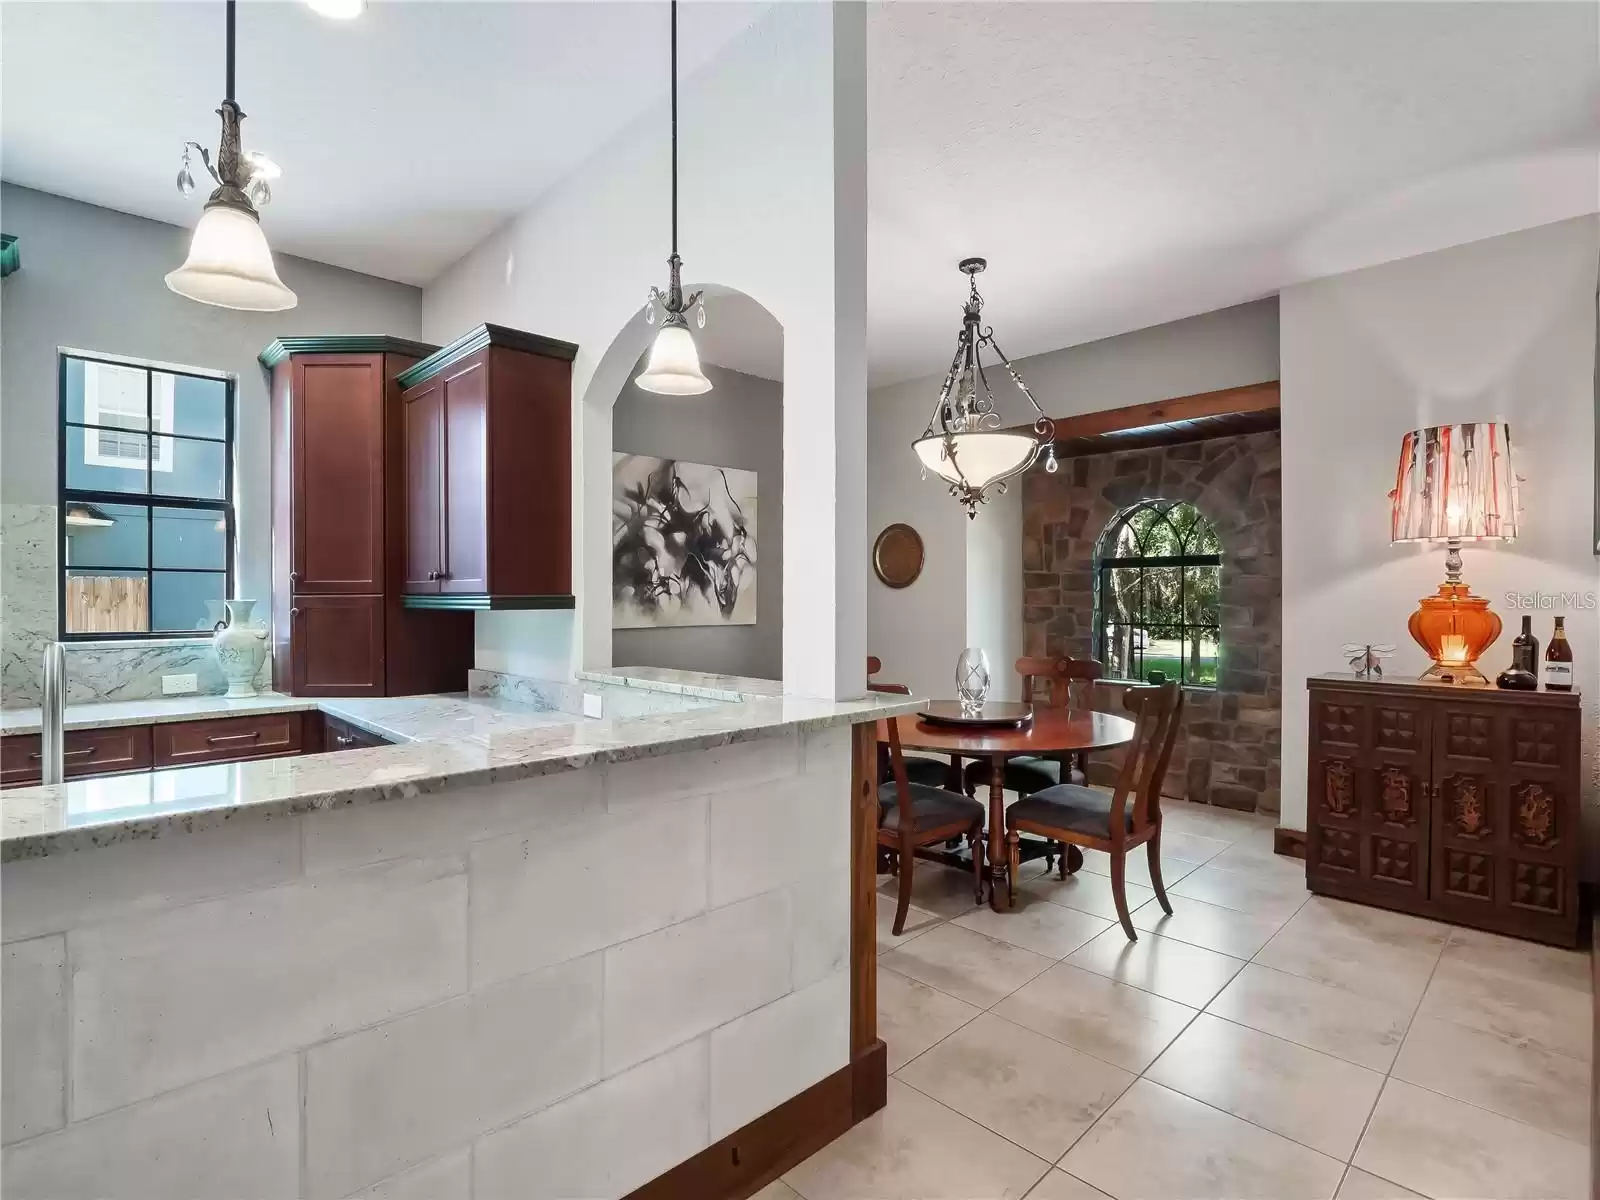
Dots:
pixel 179 685
pixel 591 704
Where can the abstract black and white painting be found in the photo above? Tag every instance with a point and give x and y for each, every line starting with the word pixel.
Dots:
pixel 683 543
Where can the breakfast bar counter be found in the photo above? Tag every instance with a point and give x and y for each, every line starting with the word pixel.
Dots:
pixel 521 953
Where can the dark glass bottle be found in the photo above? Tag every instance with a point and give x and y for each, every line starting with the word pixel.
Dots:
pixel 1558 660
pixel 1525 648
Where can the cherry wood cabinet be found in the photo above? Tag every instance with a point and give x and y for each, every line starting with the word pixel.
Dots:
pixel 488 429
pixel 114 751
pixel 340 524
pixel 226 739
pixel 1456 803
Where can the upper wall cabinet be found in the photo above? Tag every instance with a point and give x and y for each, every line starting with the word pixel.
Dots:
pixel 488 473
pixel 338 526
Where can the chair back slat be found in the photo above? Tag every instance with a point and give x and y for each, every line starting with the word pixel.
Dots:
pixel 1145 762
pixel 1056 677
pixel 897 762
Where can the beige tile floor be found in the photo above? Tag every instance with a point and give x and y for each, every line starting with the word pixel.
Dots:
pixel 1260 1042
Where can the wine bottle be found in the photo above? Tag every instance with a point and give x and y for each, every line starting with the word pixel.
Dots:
pixel 1558 660
pixel 1525 648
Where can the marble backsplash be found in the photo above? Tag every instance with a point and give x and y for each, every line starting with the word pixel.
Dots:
pixel 95 671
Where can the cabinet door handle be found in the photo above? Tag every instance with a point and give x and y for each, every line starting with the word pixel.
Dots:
pixel 215 738
pixel 344 739
pixel 87 750
pixel 294 580
pixel 293 613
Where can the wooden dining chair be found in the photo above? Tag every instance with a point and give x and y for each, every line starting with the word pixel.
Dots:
pixel 1050 682
pixel 919 768
pixel 1116 821
pixel 913 815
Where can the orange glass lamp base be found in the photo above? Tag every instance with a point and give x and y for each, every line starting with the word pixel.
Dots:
pixel 1455 628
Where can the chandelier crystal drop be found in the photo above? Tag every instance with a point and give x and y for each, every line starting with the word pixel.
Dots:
pixel 674 366
pixel 230 264
pixel 964 444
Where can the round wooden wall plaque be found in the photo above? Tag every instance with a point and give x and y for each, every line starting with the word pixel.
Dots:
pixel 897 555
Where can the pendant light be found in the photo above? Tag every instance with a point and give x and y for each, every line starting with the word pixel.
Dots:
pixel 230 264
pixel 674 367
pixel 964 444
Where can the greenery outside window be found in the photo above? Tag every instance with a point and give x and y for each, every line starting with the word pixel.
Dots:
pixel 146 511
pixel 1157 596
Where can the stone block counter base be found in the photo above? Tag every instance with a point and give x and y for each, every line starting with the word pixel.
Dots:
pixel 577 983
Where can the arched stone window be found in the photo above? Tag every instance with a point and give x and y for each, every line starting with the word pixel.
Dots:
pixel 1158 585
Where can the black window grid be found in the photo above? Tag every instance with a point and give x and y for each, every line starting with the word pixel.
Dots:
pixel 148 500
pixel 1111 648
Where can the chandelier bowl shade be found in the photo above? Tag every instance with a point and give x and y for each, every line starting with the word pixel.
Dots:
pixel 674 367
pixel 230 264
pixel 977 460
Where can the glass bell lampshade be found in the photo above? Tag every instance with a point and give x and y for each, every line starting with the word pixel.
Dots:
pixel 230 264
pixel 674 367
pixel 1454 483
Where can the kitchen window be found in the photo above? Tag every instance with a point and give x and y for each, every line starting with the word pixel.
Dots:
pixel 146 498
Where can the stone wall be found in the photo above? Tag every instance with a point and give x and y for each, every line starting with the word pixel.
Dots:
pixel 1228 751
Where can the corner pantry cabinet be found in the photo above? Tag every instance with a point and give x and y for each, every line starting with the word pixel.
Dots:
pixel 338 527
pixel 488 473
pixel 1457 803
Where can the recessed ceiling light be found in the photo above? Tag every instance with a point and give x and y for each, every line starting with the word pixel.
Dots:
pixel 338 10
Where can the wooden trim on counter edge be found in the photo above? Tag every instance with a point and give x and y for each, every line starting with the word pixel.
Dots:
pixel 750 1158
pixel 1289 842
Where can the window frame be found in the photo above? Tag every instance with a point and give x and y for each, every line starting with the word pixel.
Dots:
pixel 148 500
pixel 1104 565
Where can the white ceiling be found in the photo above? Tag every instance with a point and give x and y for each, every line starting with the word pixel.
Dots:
pixel 1120 164
pixel 405 136
pixel 1125 164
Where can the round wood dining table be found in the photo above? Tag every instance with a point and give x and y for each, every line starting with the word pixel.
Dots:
pixel 1052 731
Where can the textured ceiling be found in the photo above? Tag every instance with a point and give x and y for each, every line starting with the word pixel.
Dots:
pixel 1125 164
pixel 405 136
pixel 1120 164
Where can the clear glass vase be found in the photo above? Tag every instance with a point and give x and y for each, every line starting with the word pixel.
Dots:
pixel 972 678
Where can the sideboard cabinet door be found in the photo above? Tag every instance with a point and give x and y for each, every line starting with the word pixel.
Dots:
pixel 424 487
pixel 1369 786
pixel 1506 840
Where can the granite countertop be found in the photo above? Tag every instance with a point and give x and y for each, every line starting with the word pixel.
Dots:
pixel 111 713
pixel 447 742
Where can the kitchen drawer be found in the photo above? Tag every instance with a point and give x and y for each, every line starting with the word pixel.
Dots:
pixel 341 735
pixel 85 752
pixel 228 739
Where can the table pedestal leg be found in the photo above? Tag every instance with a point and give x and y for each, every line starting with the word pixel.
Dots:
pixel 999 859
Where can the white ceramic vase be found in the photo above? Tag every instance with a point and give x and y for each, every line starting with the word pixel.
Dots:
pixel 239 648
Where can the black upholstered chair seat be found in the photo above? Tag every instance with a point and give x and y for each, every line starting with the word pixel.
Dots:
pixel 1069 806
pixel 1023 775
pixel 931 807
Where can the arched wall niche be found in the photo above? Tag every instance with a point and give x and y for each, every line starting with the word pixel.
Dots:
pixel 738 424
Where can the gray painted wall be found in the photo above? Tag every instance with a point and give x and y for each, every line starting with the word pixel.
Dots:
pixel 739 423
pixel 92 279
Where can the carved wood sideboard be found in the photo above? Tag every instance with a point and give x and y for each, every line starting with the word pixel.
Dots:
pixel 1448 802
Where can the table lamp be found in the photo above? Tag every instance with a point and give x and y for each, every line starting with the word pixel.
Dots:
pixel 1454 484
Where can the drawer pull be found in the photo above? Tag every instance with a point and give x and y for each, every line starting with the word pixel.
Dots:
pixel 344 739
pixel 216 738
pixel 87 750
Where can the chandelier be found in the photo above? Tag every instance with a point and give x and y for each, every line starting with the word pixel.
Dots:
pixel 964 444
pixel 230 264
pixel 674 366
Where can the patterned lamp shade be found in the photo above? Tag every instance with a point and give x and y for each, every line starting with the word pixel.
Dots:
pixel 1455 481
